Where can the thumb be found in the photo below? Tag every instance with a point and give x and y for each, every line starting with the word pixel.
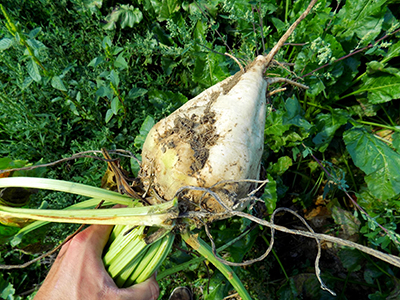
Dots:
pixel 146 290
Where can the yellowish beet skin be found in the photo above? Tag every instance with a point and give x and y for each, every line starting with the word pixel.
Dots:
pixel 216 136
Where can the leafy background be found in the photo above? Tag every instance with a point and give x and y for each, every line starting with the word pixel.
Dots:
pixel 85 74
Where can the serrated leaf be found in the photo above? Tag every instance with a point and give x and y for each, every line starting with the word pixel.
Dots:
pixel 5 43
pixel 33 70
pixel 379 162
pixel 36 45
pixel 57 83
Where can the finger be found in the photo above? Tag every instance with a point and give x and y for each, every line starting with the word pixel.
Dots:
pixel 147 290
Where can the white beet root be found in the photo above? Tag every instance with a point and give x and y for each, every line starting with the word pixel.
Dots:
pixel 216 136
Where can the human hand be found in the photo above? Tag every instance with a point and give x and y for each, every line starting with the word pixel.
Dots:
pixel 78 272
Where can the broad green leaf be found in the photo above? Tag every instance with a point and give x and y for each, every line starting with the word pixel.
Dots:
pixel 148 123
pixel 279 25
pixel 394 51
pixel 396 141
pixel 136 93
pixel 105 91
pixel 96 61
pixel 6 233
pixel 117 50
pixel 326 125
pixel 114 78
pixel 130 16
pixel 379 162
pixel 109 115
pixel 33 70
pixel 288 290
pixel 91 5
pixel 115 105
pixel 209 69
pixel 382 85
pixel 280 167
pixel 363 18
pixel 57 83
pixel 27 82
pixel 165 8
pixel 347 221
pixel 5 43
pixel 351 259
pixel 166 100
pixel 295 114
pixel 127 15
pixel 120 62
pixel 7 290
pixel 274 124
pixel 270 195
pixel 106 42
pixel 382 88
pixel 218 287
pixel 34 32
pixel 36 44
pixel 286 126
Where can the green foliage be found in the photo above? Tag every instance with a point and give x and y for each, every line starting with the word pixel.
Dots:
pixel 82 75
pixel 379 162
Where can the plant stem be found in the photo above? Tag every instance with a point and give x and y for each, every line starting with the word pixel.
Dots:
pixel 184 266
pixel 286 10
pixel 394 128
pixel 276 257
pixel 65 186
pixel 204 249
